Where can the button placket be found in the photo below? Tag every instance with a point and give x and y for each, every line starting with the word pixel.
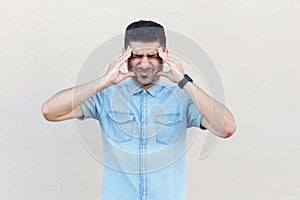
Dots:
pixel 143 143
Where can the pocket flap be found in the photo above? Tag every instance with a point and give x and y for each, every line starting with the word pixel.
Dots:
pixel 120 118
pixel 168 119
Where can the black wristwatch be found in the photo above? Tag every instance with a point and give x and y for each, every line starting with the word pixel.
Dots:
pixel 185 79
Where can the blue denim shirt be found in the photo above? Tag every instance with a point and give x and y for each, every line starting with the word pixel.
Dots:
pixel 144 139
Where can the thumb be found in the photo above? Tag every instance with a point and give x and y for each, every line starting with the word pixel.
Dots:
pixel 131 73
pixel 163 73
pixel 127 74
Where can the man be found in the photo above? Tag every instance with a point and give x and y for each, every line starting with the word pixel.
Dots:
pixel 143 120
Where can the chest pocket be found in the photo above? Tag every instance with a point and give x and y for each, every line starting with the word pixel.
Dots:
pixel 167 128
pixel 120 126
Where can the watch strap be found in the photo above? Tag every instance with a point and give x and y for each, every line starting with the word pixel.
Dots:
pixel 185 79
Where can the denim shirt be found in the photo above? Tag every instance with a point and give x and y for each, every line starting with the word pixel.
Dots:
pixel 144 141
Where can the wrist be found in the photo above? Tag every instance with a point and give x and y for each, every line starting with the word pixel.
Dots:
pixel 103 82
pixel 180 78
pixel 184 81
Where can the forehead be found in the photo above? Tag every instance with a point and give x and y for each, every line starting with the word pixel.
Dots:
pixel 144 47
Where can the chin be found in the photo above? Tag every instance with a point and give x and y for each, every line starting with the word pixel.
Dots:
pixel 142 82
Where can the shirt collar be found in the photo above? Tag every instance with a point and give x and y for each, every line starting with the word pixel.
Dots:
pixel 135 89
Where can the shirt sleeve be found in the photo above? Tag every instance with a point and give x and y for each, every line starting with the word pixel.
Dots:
pixel 194 116
pixel 90 107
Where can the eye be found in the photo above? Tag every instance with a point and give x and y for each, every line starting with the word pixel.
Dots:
pixel 136 56
pixel 153 56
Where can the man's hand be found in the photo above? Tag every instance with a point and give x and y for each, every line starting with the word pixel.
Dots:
pixel 176 72
pixel 114 75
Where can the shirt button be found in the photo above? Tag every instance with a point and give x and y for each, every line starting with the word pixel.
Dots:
pixel 144 104
pixel 144 124
pixel 144 146
pixel 144 91
pixel 144 193
pixel 169 122
pixel 144 168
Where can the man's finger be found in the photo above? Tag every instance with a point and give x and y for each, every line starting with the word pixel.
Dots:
pixel 126 55
pixel 164 56
pixel 125 75
pixel 128 52
pixel 129 74
pixel 132 73
pixel 163 73
pixel 123 59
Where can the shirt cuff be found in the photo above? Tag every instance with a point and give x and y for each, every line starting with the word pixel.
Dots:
pixel 86 108
pixel 202 127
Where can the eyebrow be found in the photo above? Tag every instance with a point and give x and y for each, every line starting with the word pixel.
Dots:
pixel 141 55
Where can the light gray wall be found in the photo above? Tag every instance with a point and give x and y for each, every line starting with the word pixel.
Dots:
pixel 254 45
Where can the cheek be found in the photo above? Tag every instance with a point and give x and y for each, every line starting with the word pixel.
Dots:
pixel 158 66
pixel 156 62
pixel 130 65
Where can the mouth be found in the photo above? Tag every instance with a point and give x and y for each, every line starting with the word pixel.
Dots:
pixel 145 74
pixel 144 71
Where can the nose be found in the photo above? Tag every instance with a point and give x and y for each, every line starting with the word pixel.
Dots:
pixel 145 61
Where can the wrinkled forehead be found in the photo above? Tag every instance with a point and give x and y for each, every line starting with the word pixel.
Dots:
pixel 144 47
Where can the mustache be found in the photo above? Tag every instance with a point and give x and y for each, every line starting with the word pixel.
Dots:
pixel 143 69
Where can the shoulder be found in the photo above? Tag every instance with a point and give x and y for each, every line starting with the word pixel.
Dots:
pixel 173 89
pixel 108 92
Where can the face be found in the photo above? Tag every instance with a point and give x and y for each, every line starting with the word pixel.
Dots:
pixel 145 63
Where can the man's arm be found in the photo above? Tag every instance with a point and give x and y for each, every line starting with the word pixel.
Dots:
pixel 216 117
pixel 66 103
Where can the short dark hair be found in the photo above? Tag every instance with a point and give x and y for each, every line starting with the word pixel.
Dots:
pixel 145 31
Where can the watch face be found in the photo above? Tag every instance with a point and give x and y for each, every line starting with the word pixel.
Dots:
pixel 188 78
